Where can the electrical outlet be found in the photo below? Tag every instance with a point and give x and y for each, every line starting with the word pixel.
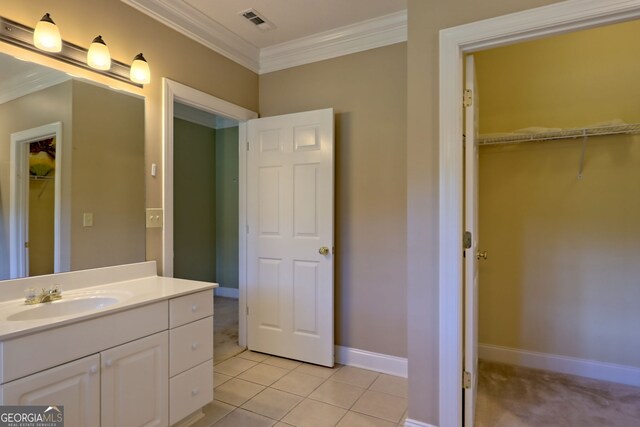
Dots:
pixel 154 218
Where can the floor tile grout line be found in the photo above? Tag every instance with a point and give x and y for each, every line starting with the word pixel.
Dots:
pixel 307 397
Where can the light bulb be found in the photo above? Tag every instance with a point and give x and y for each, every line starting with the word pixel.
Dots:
pixel 140 70
pixel 98 56
pixel 46 35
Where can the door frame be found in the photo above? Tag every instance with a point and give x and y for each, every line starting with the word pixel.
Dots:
pixel 173 91
pixel 455 42
pixel 19 198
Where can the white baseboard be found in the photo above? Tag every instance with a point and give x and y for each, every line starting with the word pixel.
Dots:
pixel 413 423
pixel 563 364
pixel 228 292
pixel 384 363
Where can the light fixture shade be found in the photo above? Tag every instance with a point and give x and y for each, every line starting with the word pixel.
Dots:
pixel 98 56
pixel 140 72
pixel 46 35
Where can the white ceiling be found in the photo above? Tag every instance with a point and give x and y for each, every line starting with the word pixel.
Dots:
pixel 293 19
pixel 18 78
pixel 306 30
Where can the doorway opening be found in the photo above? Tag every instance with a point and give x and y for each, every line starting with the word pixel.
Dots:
pixel 203 104
pixel 205 214
pixel 285 194
pixel 558 219
pixel 558 18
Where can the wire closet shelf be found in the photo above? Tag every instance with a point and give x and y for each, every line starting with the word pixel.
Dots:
pixel 516 138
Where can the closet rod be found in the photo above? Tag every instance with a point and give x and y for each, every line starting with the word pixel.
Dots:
pixel 563 134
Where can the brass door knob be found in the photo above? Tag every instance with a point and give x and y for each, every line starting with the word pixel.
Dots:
pixel 481 255
pixel 324 250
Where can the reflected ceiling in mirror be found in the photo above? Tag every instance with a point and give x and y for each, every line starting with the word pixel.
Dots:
pixel 71 172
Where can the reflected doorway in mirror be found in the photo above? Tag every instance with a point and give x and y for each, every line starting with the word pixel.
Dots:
pixel 31 156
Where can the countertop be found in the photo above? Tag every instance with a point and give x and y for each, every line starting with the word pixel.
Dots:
pixel 130 294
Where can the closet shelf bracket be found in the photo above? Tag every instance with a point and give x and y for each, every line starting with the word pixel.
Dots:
pixel 583 153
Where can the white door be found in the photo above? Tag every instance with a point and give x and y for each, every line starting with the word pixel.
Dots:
pixel 74 385
pixel 471 254
pixel 290 236
pixel 135 383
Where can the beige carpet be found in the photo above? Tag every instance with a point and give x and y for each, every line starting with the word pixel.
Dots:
pixel 225 329
pixel 510 396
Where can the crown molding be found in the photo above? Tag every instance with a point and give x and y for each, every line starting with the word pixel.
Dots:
pixel 365 35
pixel 19 86
pixel 192 23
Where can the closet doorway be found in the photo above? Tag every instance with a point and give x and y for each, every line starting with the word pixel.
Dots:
pixel 559 166
pixel 455 42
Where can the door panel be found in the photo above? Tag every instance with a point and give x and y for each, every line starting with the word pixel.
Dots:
pixel 268 294
pixel 269 208
pixel 129 371
pixel 290 217
pixel 305 294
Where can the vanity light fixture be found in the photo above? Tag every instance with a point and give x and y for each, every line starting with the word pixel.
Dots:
pixel 98 56
pixel 100 62
pixel 46 36
pixel 140 70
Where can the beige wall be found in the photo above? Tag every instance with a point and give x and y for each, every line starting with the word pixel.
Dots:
pixel 563 268
pixel 36 109
pixel 368 92
pixel 107 177
pixel 426 19
pixel 128 32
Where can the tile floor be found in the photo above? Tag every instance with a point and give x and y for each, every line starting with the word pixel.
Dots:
pixel 225 329
pixel 255 390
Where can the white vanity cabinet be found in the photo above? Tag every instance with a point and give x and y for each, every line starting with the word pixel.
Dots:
pixel 76 385
pixel 123 386
pixel 150 364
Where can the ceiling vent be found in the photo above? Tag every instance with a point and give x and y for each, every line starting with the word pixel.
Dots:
pixel 257 19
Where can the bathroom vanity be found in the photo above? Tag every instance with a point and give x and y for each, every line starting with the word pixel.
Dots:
pixel 122 347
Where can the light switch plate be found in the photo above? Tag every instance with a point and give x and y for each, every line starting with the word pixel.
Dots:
pixel 87 219
pixel 154 218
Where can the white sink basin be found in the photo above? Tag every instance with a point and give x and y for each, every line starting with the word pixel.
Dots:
pixel 63 307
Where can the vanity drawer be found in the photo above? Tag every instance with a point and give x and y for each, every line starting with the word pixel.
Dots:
pixel 190 307
pixel 190 345
pixel 190 391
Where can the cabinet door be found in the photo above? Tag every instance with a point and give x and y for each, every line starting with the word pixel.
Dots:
pixel 135 383
pixel 74 385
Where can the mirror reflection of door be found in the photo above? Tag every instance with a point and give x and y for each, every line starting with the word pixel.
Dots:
pixel 41 207
pixel 35 201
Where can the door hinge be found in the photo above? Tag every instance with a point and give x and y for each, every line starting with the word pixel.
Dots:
pixel 247 145
pixel 247 228
pixel 467 98
pixel 467 240
pixel 26 245
pixel 466 379
pixel 247 310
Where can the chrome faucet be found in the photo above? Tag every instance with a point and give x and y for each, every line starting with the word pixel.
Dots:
pixel 46 295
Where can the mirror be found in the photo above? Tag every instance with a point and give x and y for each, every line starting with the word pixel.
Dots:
pixel 72 193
